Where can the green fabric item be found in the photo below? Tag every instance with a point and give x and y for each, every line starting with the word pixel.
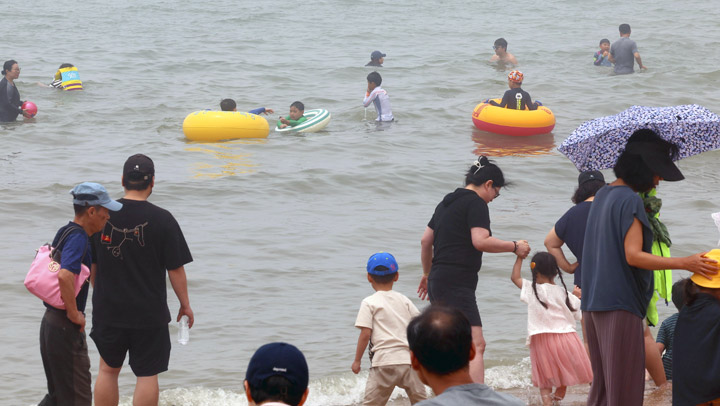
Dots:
pixel 661 247
pixel 293 123
pixel 652 208
pixel 652 313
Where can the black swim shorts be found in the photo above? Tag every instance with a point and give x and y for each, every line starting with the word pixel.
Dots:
pixel 461 298
pixel 149 348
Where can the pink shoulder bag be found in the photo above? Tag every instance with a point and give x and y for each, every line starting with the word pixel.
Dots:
pixel 42 279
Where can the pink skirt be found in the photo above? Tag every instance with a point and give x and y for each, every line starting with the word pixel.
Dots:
pixel 559 359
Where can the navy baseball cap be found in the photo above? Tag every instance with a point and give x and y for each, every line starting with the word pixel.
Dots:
pixel 377 55
pixel 278 359
pixel 93 194
pixel 382 259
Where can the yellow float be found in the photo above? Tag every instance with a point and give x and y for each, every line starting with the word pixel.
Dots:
pixel 214 126
pixel 501 120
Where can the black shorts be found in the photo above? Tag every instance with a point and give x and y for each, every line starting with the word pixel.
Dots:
pixel 149 348
pixel 461 298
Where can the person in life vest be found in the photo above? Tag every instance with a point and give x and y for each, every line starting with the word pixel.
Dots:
pixel 67 78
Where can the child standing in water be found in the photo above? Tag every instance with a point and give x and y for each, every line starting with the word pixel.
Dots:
pixel 379 97
pixel 602 57
pixel 557 355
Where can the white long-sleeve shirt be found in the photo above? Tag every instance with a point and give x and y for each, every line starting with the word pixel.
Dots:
pixel 380 99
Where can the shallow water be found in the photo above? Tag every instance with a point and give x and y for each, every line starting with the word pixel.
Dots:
pixel 281 228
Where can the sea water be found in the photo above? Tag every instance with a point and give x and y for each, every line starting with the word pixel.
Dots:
pixel 280 228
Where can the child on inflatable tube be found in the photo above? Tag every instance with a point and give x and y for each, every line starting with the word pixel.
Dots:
pixel 515 98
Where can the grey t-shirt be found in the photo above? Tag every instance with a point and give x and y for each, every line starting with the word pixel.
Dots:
pixel 472 394
pixel 623 50
pixel 608 281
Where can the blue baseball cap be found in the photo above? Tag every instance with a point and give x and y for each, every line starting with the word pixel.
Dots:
pixel 377 55
pixel 94 194
pixel 382 259
pixel 281 359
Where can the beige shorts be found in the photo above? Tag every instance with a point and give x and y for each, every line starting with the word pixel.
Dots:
pixel 382 381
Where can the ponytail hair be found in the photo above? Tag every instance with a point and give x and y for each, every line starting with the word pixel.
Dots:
pixel 7 66
pixel 483 170
pixel 544 263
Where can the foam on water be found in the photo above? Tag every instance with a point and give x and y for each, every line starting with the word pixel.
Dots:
pixel 343 389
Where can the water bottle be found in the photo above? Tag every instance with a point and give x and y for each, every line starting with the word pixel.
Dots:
pixel 183 331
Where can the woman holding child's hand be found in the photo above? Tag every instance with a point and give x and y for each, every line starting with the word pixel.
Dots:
pixel 453 244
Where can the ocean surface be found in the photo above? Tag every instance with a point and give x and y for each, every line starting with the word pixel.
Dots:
pixel 281 228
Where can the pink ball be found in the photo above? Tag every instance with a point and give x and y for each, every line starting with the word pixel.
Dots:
pixel 30 108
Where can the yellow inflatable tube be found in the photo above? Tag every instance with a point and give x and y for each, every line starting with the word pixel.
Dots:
pixel 501 120
pixel 213 126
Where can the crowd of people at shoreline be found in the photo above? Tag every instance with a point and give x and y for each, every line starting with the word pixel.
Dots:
pixel 131 245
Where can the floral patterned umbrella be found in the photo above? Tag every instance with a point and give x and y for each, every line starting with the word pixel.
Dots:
pixel 597 144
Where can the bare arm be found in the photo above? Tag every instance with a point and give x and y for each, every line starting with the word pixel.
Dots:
pixel 639 61
pixel 93 272
pixel 362 343
pixel 66 280
pixel 660 347
pixel 426 256
pixel 482 241
pixel 515 276
pixel 554 244
pixel 178 280
pixel 635 256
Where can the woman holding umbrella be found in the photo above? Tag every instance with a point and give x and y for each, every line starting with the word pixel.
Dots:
pixel 617 280
pixel 452 247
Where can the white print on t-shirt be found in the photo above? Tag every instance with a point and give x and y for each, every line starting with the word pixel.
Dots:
pixel 111 234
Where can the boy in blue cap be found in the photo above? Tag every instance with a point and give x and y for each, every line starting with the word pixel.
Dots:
pixel 383 320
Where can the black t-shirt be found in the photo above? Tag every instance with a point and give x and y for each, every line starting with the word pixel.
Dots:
pixel 696 352
pixel 455 259
pixel 134 250
pixel 571 229
pixel 510 100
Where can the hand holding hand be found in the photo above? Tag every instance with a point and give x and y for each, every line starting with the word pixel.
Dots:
pixel 577 292
pixel 422 288
pixel 355 367
pixel 523 249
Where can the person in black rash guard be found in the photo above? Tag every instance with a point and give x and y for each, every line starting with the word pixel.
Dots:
pixel 10 104
pixel 452 247
pixel 515 98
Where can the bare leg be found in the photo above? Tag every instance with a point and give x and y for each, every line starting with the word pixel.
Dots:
pixel 106 385
pixel 582 324
pixel 560 393
pixel 147 391
pixel 653 359
pixel 477 364
pixel 546 396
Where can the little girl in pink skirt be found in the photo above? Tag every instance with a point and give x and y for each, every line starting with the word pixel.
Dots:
pixel 557 354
